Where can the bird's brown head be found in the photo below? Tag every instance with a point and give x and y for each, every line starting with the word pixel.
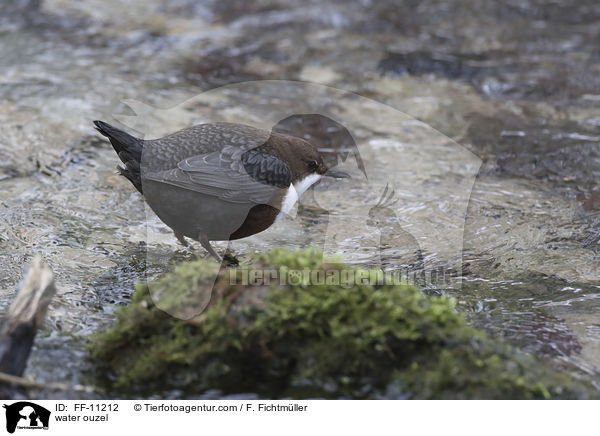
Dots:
pixel 302 157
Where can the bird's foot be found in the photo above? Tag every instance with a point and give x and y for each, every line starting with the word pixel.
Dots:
pixel 230 259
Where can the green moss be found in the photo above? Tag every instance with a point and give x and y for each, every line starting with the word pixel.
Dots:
pixel 307 340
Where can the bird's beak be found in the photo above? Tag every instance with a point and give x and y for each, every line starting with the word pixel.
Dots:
pixel 337 174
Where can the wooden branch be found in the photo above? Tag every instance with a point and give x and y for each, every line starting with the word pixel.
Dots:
pixel 25 316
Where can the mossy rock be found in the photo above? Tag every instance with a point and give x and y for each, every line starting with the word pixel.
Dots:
pixel 311 340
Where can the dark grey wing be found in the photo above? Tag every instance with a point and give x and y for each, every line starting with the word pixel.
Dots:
pixel 266 168
pixel 229 176
pixel 165 153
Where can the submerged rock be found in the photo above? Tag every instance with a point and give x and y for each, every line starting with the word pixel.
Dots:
pixel 360 338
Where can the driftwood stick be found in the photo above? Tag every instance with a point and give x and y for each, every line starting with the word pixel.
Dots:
pixel 25 316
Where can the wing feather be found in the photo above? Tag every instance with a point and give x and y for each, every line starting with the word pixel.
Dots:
pixel 233 174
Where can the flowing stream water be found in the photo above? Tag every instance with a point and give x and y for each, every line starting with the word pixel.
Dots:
pixel 483 116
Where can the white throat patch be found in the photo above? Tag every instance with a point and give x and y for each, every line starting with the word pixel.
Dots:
pixel 293 194
pixel 306 183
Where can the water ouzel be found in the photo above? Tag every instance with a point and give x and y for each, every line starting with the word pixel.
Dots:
pixel 218 181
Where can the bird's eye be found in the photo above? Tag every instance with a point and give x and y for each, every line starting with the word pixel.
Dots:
pixel 313 165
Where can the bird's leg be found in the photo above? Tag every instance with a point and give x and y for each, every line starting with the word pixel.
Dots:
pixel 181 239
pixel 206 244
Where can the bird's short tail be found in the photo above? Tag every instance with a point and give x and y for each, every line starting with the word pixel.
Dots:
pixel 128 148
